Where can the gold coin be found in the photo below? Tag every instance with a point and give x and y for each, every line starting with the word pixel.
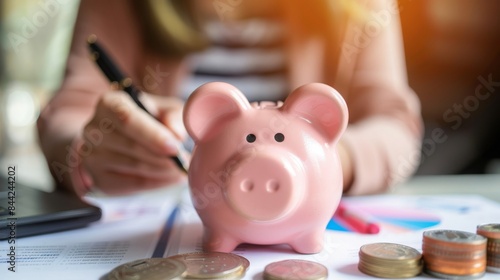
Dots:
pixel 150 269
pixel 295 270
pixel 400 265
pixel 414 270
pixel 489 230
pixel 387 272
pixel 396 267
pixel 389 251
pixel 389 260
pixel 202 265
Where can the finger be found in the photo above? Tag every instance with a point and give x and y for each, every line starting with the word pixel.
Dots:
pixel 118 162
pixel 120 143
pixel 137 124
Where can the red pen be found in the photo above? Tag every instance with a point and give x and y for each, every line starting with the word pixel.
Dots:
pixel 356 220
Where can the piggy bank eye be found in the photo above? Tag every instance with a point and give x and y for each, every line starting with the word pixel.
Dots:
pixel 251 138
pixel 279 137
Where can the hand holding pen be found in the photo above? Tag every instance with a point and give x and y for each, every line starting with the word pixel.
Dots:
pixel 136 151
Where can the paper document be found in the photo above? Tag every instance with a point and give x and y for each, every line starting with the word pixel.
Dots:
pixel 131 228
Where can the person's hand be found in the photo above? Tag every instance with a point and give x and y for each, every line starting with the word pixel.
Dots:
pixel 130 150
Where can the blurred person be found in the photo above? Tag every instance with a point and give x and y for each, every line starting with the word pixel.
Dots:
pixel 94 136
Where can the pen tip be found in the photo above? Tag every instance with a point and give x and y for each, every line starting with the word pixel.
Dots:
pixel 92 39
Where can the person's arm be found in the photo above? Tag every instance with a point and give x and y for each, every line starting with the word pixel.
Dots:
pixel 384 135
pixel 381 145
pixel 80 127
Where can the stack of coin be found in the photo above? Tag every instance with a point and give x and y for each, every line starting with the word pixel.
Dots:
pixel 151 269
pixel 454 254
pixel 213 265
pixel 389 260
pixel 295 270
pixel 492 232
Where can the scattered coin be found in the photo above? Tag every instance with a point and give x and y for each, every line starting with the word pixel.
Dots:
pixel 295 270
pixel 150 269
pixel 389 260
pixel 213 265
pixel 454 254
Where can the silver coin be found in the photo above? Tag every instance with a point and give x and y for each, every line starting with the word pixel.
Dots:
pixel 295 270
pixel 490 227
pixel 150 269
pixel 455 236
pixel 390 251
pixel 212 264
pixel 489 230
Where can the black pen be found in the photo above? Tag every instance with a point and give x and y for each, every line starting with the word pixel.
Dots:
pixel 124 83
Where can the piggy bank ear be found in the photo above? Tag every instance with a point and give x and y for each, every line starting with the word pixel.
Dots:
pixel 320 105
pixel 210 107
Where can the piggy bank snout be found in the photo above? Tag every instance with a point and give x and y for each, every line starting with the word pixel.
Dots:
pixel 265 187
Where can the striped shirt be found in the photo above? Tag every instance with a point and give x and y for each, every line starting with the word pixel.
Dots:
pixel 247 54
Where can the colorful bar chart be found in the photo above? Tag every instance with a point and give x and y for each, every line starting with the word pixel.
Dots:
pixel 387 218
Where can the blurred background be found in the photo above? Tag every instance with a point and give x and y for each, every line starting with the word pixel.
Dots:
pixel 35 37
pixel 453 59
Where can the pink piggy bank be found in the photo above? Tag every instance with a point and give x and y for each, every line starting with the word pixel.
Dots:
pixel 265 173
